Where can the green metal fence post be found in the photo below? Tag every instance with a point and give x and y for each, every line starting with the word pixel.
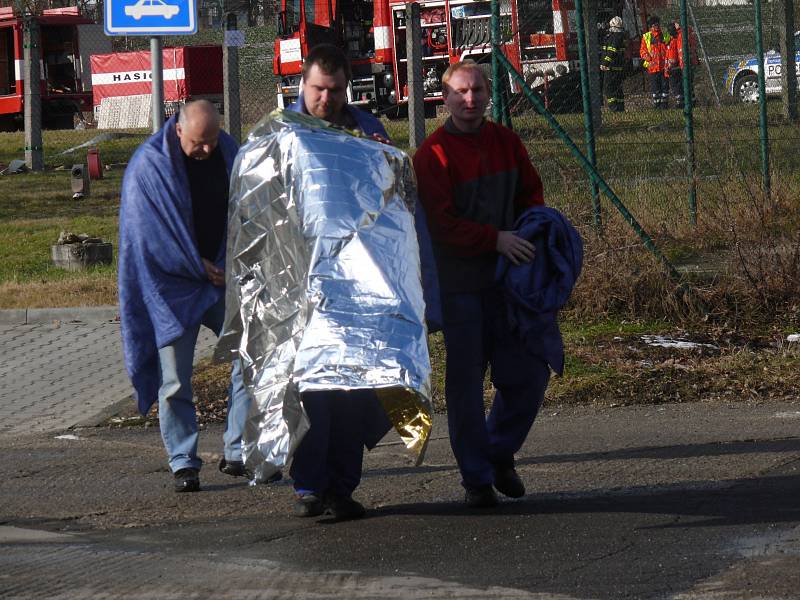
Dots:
pixel 588 123
pixel 688 106
pixel 762 102
pixel 497 97
pixel 506 99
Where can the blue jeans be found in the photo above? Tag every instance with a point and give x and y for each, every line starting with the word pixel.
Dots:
pixel 329 458
pixel 476 334
pixel 176 410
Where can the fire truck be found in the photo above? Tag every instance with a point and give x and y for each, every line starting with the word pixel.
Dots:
pixel 540 40
pixel 189 72
pixel 66 41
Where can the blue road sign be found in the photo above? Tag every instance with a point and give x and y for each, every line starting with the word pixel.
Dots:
pixel 150 17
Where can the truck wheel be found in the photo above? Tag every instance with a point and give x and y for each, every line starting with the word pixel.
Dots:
pixel 746 88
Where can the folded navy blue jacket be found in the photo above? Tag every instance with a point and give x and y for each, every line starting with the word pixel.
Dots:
pixel 535 291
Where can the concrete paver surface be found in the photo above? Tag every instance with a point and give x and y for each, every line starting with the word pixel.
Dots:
pixel 59 374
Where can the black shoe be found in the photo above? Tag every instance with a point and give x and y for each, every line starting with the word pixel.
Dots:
pixel 275 477
pixel 480 496
pixel 234 468
pixel 507 482
pixel 187 480
pixel 308 505
pixel 344 508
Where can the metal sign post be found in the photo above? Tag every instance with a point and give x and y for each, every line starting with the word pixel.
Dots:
pixel 416 93
pixel 34 153
pixel 157 82
pixel 234 39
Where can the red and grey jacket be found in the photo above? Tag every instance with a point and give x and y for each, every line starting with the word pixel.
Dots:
pixel 675 50
pixel 653 51
pixel 473 185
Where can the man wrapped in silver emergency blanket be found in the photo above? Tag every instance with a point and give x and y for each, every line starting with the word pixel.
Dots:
pixel 323 282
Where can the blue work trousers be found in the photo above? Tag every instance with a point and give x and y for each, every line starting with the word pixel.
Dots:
pixel 176 411
pixel 477 334
pixel 330 456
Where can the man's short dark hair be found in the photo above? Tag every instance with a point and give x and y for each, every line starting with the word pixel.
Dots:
pixel 654 20
pixel 329 59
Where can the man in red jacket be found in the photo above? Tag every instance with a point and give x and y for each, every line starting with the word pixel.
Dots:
pixel 474 179
pixel 676 64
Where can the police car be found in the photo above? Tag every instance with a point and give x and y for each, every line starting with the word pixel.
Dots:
pixel 741 79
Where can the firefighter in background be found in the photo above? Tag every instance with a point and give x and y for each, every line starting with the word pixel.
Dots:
pixel 653 52
pixel 675 62
pixel 612 63
pixel 672 69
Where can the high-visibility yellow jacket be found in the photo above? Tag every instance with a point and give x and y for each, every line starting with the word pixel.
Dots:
pixel 653 51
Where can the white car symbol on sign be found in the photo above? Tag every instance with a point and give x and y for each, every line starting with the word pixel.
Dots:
pixel 151 8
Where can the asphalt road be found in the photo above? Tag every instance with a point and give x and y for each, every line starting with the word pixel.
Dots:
pixel 675 501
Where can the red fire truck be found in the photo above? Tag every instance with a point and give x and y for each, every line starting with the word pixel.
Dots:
pixel 190 72
pixel 541 42
pixel 66 40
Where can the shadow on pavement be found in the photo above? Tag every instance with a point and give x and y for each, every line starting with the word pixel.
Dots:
pixel 642 452
pixel 761 500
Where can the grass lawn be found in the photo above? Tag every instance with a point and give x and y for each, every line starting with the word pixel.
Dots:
pixel 36 207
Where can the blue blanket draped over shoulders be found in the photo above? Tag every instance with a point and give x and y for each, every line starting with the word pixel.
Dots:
pixel 163 287
pixel 535 291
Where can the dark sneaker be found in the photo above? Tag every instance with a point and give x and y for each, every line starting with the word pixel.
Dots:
pixel 344 508
pixel 308 505
pixel 275 477
pixel 187 480
pixel 507 482
pixel 234 468
pixel 480 496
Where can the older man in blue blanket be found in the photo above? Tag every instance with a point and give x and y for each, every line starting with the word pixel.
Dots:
pixel 171 279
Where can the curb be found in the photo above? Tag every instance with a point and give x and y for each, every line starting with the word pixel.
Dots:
pixel 77 314
pixel 101 417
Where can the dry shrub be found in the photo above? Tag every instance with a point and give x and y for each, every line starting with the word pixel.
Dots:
pixel 740 264
pixel 763 247
pixel 619 278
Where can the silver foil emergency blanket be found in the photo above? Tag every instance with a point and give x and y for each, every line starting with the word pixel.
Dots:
pixel 323 282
